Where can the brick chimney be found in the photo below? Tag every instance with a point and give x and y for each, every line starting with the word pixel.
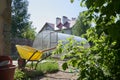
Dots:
pixel 65 19
pixel 66 22
pixel 58 23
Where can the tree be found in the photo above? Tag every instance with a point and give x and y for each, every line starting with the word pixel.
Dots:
pixel 5 21
pixel 80 27
pixel 29 33
pixel 101 61
pixel 105 13
pixel 20 19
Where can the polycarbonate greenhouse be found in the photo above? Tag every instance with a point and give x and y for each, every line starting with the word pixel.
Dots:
pixel 49 39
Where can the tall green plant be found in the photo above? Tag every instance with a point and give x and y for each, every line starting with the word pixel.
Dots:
pixel 29 33
pixel 80 27
pixel 21 26
pixel 106 13
pixel 92 62
pixel 102 60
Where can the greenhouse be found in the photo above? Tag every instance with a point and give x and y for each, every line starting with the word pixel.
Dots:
pixel 49 39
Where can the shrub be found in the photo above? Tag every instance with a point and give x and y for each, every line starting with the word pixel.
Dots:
pixel 19 75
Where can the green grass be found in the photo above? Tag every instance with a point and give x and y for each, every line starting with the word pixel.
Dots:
pixel 42 68
pixel 48 67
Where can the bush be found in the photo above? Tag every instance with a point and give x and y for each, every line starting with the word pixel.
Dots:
pixel 19 75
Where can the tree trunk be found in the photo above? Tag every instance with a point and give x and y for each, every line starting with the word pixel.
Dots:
pixel 5 21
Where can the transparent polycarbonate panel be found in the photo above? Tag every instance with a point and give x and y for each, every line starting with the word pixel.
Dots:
pixel 49 39
pixel 45 39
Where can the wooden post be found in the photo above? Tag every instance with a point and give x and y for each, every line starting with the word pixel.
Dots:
pixel 5 21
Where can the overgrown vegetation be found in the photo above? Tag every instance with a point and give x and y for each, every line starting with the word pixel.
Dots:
pixel 102 60
pixel 42 68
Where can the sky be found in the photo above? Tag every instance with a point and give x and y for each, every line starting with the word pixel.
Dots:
pixel 43 11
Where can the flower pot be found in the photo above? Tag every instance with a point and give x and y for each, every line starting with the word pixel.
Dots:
pixel 7 70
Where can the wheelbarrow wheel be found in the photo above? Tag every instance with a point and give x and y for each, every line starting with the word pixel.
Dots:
pixel 21 63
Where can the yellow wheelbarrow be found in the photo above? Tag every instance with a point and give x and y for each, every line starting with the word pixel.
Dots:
pixel 31 54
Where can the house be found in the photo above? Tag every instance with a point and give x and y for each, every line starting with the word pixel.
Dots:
pixel 65 25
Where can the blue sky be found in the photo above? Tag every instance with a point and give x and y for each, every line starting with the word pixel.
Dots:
pixel 43 11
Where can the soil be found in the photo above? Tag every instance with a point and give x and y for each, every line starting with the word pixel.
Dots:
pixel 69 74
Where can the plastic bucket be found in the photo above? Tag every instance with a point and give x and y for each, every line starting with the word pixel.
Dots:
pixel 7 71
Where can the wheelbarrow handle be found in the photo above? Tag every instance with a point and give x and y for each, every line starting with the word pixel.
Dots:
pixel 48 49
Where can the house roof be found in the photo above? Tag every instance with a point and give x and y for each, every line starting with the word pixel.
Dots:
pixel 67 25
pixel 70 23
pixel 51 25
pixel 47 23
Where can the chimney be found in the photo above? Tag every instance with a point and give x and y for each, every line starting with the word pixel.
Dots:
pixel 65 19
pixel 73 19
pixel 58 21
pixel 66 22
